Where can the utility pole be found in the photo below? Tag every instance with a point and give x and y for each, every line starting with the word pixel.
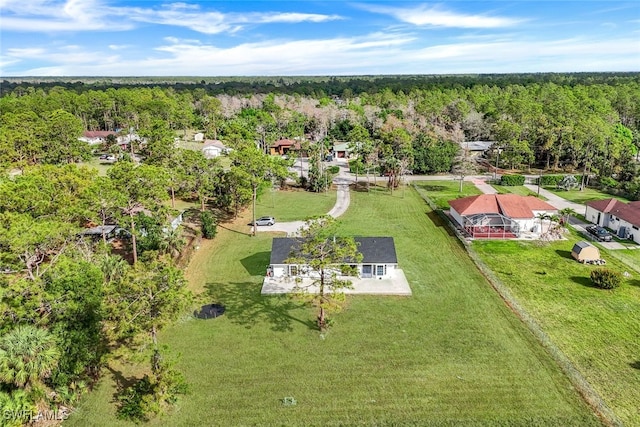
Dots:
pixel 495 172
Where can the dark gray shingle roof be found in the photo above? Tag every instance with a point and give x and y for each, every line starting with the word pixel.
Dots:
pixel 373 249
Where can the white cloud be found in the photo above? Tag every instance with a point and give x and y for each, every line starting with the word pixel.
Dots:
pixel 435 16
pixel 91 15
pixel 392 53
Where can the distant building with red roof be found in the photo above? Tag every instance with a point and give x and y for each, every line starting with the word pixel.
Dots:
pixel 500 215
pixel 283 146
pixel 623 218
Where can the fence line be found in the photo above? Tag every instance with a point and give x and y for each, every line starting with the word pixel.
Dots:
pixel 577 379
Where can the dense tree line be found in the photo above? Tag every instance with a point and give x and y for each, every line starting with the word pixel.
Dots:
pixel 575 122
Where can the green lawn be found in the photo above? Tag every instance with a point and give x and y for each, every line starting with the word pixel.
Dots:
pixel 294 204
pixel 598 330
pixel 452 354
pixel 586 195
pixel 443 191
pixel 97 164
pixel 516 189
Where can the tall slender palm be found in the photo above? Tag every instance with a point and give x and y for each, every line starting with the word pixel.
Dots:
pixel 27 356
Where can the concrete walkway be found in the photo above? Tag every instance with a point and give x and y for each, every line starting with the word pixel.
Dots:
pixel 343 199
pixel 557 201
pixel 482 185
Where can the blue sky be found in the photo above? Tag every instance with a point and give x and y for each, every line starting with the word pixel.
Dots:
pixel 329 37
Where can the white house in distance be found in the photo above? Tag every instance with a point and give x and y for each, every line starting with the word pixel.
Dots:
pixel 623 218
pixel 198 137
pixel 98 137
pixel 500 216
pixel 214 148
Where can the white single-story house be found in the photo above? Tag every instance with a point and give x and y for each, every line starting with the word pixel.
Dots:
pixel 622 218
pixel 214 148
pixel 500 216
pixel 379 258
pixel 98 137
pixel 198 137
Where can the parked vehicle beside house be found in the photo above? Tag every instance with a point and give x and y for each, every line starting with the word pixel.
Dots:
pixel 600 233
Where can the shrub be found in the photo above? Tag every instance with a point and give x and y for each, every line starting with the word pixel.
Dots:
pixel 550 180
pixel 356 166
pixel 605 278
pixel 608 182
pixel 512 180
pixel 568 182
pixel 209 225
pixel 333 169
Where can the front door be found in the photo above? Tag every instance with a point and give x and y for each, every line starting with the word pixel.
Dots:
pixel 367 270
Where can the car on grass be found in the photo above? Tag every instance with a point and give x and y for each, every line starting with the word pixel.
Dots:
pixel 265 220
pixel 600 233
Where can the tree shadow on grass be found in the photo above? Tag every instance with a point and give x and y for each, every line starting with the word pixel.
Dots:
pixel 440 222
pixel 634 282
pixel 564 254
pixel 256 264
pixel 584 281
pixel 234 231
pixel 434 188
pixel 635 365
pixel 121 382
pixel 244 305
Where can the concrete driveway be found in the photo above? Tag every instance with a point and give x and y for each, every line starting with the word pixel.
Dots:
pixel 343 199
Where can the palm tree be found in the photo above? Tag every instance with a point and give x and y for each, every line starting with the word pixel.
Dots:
pixel 566 213
pixel 542 217
pixel 27 356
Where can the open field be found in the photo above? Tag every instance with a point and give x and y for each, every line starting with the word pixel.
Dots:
pixel 586 195
pixel 597 329
pixel 452 354
pixel 294 204
pixel 443 191
pixel 95 163
pixel 516 189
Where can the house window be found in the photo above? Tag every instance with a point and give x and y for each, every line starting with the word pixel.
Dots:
pixel 293 270
pixel 381 270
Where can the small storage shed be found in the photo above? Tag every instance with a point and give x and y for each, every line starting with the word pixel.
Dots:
pixel 585 251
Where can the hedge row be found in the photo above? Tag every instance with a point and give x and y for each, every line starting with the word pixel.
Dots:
pixel 512 180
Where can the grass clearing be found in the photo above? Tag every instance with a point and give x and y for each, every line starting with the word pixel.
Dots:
pixel 586 195
pixel 100 165
pixel 452 354
pixel 443 191
pixel 516 189
pixel 597 329
pixel 294 204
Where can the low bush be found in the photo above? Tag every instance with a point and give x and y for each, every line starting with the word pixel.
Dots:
pixel 333 169
pixel 605 278
pixel 550 180
pixel 512 180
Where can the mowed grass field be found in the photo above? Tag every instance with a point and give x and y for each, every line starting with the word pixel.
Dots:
pixel 451 354
pixel 598 330
pixel 586 195
pixel 440 192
